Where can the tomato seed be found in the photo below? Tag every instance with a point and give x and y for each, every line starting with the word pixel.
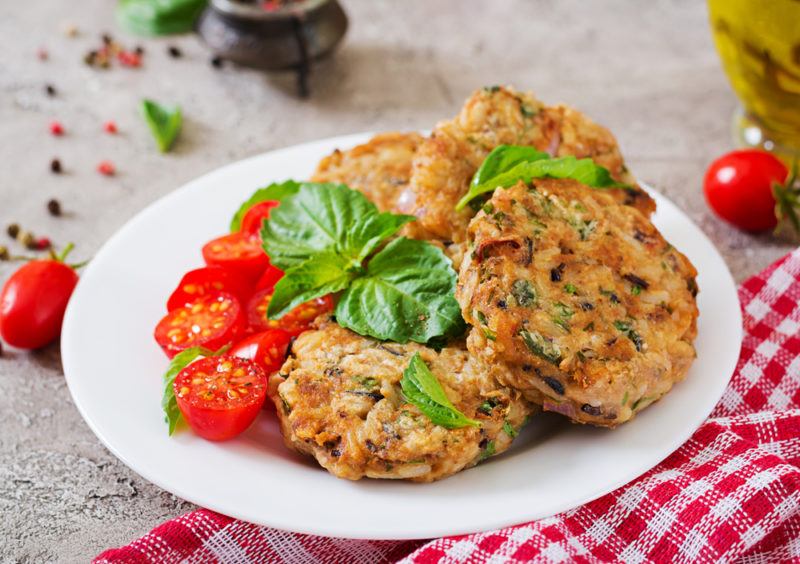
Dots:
pixel 184 390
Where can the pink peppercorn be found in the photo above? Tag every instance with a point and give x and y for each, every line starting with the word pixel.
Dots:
pixel 106 168
pixel 56 128
pixel 110 127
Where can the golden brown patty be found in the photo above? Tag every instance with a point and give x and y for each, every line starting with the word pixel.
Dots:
pixel 446 161
pixel 380 168
pixel 591 309
pixel 338 399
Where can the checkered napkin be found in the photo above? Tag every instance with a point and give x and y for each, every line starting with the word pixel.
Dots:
pixel 730 493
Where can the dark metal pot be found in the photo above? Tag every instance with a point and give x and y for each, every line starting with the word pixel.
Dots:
pixel 288 37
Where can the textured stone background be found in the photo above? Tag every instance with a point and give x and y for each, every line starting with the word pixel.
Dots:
pixel 645 69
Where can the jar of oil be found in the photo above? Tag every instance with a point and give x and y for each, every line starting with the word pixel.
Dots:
pixel 759 44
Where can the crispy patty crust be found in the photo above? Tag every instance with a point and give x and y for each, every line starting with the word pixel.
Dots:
pixel 446 161
pixel 590 308
pixel 380 168
pixel 338 399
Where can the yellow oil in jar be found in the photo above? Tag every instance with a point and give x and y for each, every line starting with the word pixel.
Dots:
pixel 759 44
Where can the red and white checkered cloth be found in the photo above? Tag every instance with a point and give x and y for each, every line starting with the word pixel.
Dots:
pixel 730 493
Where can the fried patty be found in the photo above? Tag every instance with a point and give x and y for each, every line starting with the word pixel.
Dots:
pixel 380 168
pixel 446 161
pixel 338 399
pixel 592 311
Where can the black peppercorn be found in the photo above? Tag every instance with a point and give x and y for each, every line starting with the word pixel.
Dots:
pixel 55 166
pixel 216 62
pixel 50 89
pixel 13 230
pixel 54 207
pixel 174 52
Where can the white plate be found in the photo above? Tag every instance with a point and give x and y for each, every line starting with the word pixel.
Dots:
pixel 113 368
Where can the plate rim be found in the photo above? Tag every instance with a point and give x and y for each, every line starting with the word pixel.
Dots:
pixel 335 529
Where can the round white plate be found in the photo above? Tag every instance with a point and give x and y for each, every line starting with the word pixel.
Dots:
pixel 114 371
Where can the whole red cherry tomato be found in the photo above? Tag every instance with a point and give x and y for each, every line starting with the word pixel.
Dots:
pixel 237 252
pixel 211 321
pixel 220 396
pixel 267 349
pixel 208 280
pixel 255 216
pixel 33 301
pixel 739 188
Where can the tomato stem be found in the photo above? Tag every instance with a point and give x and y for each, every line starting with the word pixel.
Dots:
pixel 787 199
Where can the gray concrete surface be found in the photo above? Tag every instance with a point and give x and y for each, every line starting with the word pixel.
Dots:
pixel 646 69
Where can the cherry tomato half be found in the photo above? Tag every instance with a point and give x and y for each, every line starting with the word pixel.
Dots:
pixel 220 396
pixel 270 277
pixel 33 301
pixel 237 252
pixel 210 321
pixel 252 220
pixel 267 349
pixel 294 322
pixel 208 280
pixel 738 187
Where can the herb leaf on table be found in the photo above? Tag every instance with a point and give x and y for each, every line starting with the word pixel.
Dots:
pixel 164 121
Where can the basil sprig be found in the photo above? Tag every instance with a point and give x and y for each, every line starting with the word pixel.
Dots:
pixel 180 361
pixel 508 164
pixel 159 17
pixel 164 122
pixel 422 389
pixel 329 238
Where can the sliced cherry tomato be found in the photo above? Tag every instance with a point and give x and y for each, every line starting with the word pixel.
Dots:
pixel 738 187
pixel 210 321
pixel 33 301
pixel 252 220
pixel 270 277
pixel 237 252
pixel 208 280
pixel 294 322
pixel 220 396
pixel 267 349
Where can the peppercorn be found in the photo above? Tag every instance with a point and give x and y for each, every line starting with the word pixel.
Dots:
pixel 110 127
pixel 4 253
pixel 42 54
pixel 27 239
pixel 43 243
pixel 56 128
pixel 139 50
pixel 90 58
pixel 216 62
pixel 174 52
pixel 55 166
pixel 50 89
pixel 107 39
pixel 54 207
pixel 13 230
pixel 106 168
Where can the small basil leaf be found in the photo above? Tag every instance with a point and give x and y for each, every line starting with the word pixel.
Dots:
pixel 165 123
pixel 319 276
pixel 161 17
pixel 407 294
pixel 584 171
pixel 421 388
pixel 276 191
pixel 503 158
pixel 325 218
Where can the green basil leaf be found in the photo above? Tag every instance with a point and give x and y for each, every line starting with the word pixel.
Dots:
pixel 503 158
pixel 407 294
pixel 584 171
pixel 276 191
pixel 422 389
pixel 180 361
pixel 319 276
pixel 165 123
pixel 322 218
pixel 159 17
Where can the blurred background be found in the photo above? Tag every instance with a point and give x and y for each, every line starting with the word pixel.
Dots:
pixel 647 70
